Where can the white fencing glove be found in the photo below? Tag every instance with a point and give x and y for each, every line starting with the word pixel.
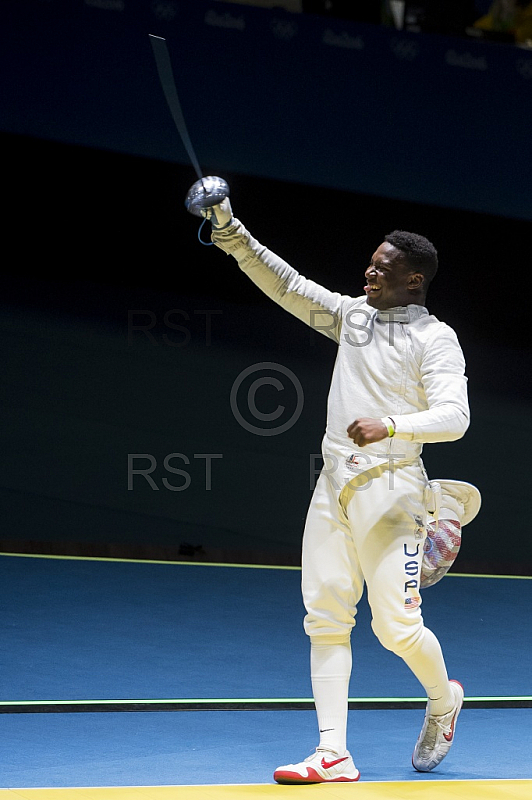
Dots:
pixel 220 215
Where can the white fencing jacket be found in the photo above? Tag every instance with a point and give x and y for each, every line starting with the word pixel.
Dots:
pixel 402 362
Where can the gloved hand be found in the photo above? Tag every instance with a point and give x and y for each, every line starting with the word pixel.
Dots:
pixel 220 215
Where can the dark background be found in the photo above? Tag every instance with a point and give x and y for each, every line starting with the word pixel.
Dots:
pixel 94 177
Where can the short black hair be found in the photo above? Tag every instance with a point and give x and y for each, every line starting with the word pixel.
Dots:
pixel 419 253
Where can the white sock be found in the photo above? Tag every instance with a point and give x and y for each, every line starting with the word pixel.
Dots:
pixel 330 670
pixel 428 666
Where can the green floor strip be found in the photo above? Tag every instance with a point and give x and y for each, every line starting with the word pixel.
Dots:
pixel 261 703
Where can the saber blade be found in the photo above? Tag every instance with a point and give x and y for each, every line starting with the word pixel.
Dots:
pixel 164 68
pixel 206 192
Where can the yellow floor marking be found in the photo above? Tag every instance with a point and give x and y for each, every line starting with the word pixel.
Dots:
pixel 149 561
pixel 216 564
pixel 394 790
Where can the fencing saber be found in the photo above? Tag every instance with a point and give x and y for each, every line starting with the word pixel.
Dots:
pixel 206 191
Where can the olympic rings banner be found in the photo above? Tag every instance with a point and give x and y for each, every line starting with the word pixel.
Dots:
pixel 432 119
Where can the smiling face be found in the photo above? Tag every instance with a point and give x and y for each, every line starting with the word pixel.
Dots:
pixel 390 282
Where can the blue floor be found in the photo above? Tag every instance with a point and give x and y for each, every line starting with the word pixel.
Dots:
pixel 74 629
pixel 164 748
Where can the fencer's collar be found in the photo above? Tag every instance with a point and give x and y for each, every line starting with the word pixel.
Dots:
pixel 403 314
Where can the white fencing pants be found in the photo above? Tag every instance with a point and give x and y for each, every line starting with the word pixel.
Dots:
pixel 372 531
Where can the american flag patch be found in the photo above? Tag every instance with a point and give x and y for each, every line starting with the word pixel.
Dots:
pixel 412 602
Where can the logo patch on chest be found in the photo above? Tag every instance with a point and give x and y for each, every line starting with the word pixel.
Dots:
pixel 352 463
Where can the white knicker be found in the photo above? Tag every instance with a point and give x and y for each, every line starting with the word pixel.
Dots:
pixel 371 531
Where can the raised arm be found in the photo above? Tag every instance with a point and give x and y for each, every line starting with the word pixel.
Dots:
pixel 318 307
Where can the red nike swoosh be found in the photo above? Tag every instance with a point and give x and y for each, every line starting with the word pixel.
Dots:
pixel 329 764
pixel 449 736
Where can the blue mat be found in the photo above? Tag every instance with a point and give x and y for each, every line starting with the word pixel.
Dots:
pixel 217 747
pixel 74 630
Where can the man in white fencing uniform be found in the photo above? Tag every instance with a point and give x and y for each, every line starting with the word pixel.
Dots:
pixel 398 382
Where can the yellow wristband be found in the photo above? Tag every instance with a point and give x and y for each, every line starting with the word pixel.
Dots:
pixel 390 425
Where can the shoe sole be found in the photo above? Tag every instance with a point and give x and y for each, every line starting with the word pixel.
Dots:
pixel 313 777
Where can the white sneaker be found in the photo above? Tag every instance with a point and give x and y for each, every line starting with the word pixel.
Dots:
pixel 323 766
pixel 437 734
